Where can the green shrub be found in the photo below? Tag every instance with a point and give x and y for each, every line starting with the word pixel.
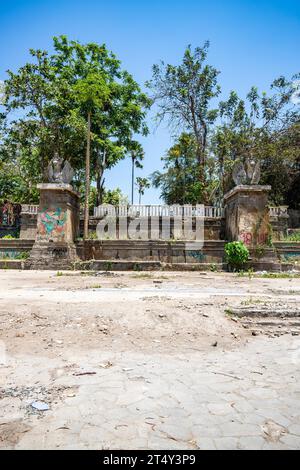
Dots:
pixel 23 255
pixel 8 237
pixel 237 255
pixel 293 237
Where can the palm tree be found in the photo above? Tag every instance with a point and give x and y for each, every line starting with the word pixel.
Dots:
pixel 142 184
pixel 137 155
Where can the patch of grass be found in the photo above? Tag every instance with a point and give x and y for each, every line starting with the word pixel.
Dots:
pixel 108 266
pixel 252 301
pixel 92 235
pixel 142 276
pixel 59 274
pixel 213 267
pixel 293 237
pixel 278 275
pixel 229 312
pixel 8 237
pixel 23 255
pixel 249 273
pixel 95 286
pixel 284 275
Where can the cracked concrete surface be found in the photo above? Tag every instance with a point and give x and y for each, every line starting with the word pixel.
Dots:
pixel 127 362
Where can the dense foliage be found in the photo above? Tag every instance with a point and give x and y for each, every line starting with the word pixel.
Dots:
pixel 210 136
pixel 46 104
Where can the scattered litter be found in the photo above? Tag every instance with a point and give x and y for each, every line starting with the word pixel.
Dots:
pixel 106 365
pixel 40 405
pixel 127 369
pixel 84 373
pixel 107 274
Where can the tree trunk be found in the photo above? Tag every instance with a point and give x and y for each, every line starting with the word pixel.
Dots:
pixel 87 178
pixel 132 180
pixel 101 166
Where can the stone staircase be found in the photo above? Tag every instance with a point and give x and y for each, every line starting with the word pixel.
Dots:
pixel 271 319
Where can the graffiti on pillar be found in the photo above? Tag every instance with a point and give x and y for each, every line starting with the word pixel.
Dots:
pixel 51 223
pixel 248 238
pixel 10 214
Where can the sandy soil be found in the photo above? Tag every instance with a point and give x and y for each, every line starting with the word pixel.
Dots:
pixel 54 326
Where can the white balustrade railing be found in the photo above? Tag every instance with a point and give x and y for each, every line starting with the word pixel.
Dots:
pixel 278 211
pixel 29 208
pixel 142 210
pixel 139 210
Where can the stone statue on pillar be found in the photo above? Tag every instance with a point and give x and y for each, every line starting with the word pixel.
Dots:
pixel 58 219
pixel 60 171
pixel 246 173
pixel 246 205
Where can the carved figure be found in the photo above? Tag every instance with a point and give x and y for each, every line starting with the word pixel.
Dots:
pixel 60 171
pixel 246 173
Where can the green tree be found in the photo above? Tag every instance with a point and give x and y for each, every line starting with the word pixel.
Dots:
pixel 184 94
pixel 53 94
pixel 179 182
pixel 262 127
pixel 92 93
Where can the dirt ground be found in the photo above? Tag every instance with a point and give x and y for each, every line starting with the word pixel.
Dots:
pixel 144 360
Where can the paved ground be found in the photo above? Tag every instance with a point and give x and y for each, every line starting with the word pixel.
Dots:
pixel 147 361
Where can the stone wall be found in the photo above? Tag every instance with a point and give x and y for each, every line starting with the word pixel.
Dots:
pixel 12 249
pixel 28 226
pixel 147 250
pixel 213 227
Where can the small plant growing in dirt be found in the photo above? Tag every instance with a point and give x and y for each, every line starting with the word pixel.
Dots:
pixel 23 255
pixel 108 266
pixel 237 255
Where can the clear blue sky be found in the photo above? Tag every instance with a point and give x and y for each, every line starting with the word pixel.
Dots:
pixel 252 42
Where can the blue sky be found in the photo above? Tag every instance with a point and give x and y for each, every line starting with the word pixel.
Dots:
pixel 252 42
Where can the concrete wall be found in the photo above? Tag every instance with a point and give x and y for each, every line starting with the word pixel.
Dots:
pixel 11 249
pixel 156 250
pixel 213 227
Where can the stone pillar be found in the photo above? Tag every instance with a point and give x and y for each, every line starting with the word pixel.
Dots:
pixel 57 227
pixel 247 214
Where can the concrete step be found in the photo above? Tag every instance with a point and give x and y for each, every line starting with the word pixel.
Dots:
pixel 273 325
pixel 261 312
pixel 12 264
pixel 138 265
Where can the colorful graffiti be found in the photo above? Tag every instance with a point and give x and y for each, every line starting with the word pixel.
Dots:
pixel 10 214
pixel 51 223
pixel 248 238
pixel 198 255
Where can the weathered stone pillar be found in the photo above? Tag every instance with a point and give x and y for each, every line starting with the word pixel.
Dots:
pixel 57 227
pixel 247 214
